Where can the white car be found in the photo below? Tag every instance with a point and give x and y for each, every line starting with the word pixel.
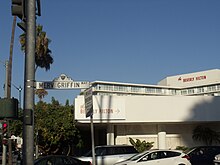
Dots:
pixel 217 160
pixel 110 154
pixel 158 157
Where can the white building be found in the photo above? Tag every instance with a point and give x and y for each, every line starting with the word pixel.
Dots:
pixel 170 110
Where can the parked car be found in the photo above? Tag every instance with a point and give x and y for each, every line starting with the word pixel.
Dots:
pixel 158 157
pixel 110 154
pixel 203 155
pixel 217 160
pixel 60 160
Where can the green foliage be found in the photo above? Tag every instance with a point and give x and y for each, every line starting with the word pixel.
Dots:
pixel 182 148
pixel 141 146
pixel 43 55
pixel 206 135
pixel 55 126
pixel 16 125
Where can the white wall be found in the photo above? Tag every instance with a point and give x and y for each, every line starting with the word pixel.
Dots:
pixel 143 117
pixel 150 109
pixel 192 79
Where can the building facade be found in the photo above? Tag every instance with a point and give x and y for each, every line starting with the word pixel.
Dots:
pixel 166 113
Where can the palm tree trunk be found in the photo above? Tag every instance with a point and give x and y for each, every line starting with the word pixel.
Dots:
pixel 11 55
pixel 9 82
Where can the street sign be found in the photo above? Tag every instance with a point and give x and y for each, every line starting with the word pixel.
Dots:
pixel 88 102
pixel 63 82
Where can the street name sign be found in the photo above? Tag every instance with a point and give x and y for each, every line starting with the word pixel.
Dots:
pixel 63 82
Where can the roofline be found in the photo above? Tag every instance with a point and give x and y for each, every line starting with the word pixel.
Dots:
pixel 133 84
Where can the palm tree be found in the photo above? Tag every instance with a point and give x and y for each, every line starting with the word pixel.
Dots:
pixel 206 135
pixel 41 93
pixel 43 58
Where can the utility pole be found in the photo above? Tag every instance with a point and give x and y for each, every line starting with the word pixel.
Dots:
pixel 26 11
pixel 4 149
pixel 29 83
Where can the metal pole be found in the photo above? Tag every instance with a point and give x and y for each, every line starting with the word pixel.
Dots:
pixel 4 150
pixel 29 83
pixel 19 95
pixel 19 90
pixel 6 79
pixel 93 143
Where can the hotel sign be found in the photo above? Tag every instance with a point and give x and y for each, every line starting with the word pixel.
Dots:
pixel 104 108
pixel 190 79
pixel 63 82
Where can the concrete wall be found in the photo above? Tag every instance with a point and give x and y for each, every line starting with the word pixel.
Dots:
pixel 150 109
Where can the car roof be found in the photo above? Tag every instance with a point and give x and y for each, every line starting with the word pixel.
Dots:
pixel 173 150
pixel 203 147
pixel 122 145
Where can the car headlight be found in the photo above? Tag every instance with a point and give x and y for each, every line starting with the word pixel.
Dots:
pixel 217 158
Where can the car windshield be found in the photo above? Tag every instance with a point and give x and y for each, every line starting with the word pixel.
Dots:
pixel 188 150
pixel 138 156
pixel 88 154
pixel 99 151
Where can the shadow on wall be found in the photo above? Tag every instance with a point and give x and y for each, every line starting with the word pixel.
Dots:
pixel 205 113
pixel 207 110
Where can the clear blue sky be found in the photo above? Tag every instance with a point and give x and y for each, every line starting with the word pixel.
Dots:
pixel 135 41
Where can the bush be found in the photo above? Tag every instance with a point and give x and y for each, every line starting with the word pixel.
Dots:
pixel 141 146
pixel 182 148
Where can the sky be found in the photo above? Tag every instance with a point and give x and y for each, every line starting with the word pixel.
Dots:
pixel 131 41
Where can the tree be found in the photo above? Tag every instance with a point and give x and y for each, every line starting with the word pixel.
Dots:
pixel 206 135
pixel 41 93
pixel 16 125
pixel 43 58
pixel 56 127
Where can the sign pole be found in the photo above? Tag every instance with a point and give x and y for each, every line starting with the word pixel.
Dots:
pixel 92 138
pixel 89 113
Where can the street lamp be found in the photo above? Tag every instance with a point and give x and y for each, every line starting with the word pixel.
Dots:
pixel 19 91
pixel 3 63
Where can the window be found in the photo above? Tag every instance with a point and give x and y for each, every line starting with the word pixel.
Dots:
pixel 108 87
pixel 153 156
pixel 120 88
pixel 173 91
pixel 200 90
pixel 104 87
pixel 150 90
pixel 100 151
pixel 211 88
pixel 158 90
pixel 218 87
pixel 172 154
pixel 183 92
pixel 190 91
pixel 135 89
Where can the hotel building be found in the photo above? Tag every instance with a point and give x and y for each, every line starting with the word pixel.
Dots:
pixel 166 113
